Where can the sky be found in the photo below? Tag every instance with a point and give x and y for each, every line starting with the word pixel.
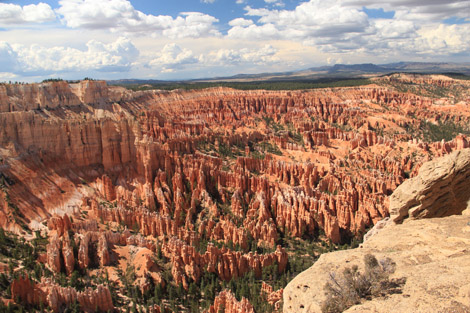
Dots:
pixel 185 39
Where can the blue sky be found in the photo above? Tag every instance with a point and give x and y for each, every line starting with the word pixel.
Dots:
pixel 224 10
pixel 183 39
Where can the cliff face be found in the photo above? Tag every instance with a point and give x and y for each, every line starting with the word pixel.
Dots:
pixel 212 180
pixel 25 97
pixel 429 248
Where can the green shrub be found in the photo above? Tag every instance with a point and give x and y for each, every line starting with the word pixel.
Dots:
pixel 348 290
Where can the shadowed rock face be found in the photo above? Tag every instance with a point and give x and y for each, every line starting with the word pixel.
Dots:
pixel 442 188
pixel 205 178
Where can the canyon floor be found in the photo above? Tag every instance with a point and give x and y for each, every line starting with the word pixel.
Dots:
pixel 213 199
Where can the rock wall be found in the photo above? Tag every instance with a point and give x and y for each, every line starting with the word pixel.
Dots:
pixel 51 95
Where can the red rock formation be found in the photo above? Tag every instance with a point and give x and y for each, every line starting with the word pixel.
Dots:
pixel 226 302
pixel 53 254
pixel 167 123
pixel 103 251
pixel 61 224
pixel 83 253
pixel 181 168
pixel 273 297
pixel 23 289
pixel 227 264
pixel 57 297
pixel 155 309
pixel 67 253
pixel 108 188
pixel 90 300
pixel 225 231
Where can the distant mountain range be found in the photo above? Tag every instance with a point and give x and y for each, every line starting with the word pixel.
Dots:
pixel 418 67
pixel 328 72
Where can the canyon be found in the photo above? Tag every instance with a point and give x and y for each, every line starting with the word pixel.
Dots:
pixel 429 250
pixel 163 195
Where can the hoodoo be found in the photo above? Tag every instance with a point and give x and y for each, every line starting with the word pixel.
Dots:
pixel 426 238
pixel 216 198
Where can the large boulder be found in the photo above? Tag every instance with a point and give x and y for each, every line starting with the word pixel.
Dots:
pixel 442 188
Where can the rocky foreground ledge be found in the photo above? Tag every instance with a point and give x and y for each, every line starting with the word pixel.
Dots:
pixel 432 254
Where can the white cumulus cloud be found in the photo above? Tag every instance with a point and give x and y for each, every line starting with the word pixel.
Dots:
pixel 173 57
pixel 113 57
pixel 8 58
pixel 121 16
pixel 278 3
pixel 192 24
pixel 419 10
pixel 7 76
pixel 443 39
pixel 240 22
pixel 262 56
pixel 314 23
pixel 394 29
pixel 339 26
pixel 13 14
pixel 255 32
